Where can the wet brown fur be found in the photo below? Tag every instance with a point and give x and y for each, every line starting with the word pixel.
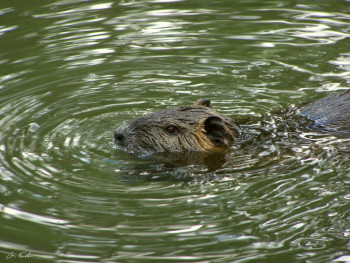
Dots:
pixel 197 128
pixel 199 132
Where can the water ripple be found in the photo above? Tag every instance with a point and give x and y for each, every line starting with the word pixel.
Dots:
pixel 72 72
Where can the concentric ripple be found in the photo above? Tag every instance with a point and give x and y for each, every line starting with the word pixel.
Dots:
pixel 73 71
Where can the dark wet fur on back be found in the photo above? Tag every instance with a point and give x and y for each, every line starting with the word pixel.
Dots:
pixel 330 114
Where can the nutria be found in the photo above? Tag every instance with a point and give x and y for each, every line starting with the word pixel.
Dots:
pixel 200 129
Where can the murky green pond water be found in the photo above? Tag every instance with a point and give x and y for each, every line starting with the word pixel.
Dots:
pixel 71 72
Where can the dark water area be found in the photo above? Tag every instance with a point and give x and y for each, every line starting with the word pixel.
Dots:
pixel 71 72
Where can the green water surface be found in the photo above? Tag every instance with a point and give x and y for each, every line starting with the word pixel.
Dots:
pixel 71 72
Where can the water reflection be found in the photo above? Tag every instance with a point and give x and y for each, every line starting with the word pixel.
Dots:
pixel 73 71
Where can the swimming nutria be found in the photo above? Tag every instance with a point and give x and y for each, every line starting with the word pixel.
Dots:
pixel 200 129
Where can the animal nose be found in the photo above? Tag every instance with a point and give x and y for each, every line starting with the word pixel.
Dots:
pixel 119 137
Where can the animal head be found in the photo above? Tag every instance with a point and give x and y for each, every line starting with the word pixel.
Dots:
pixel 194 128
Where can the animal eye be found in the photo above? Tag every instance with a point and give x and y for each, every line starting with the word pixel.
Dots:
pixel 171 129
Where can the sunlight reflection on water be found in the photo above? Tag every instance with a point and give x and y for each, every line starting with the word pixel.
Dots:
pixel 72 72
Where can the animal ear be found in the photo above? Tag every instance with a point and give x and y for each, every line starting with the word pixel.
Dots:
pixel 214 126
pixel 203 102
